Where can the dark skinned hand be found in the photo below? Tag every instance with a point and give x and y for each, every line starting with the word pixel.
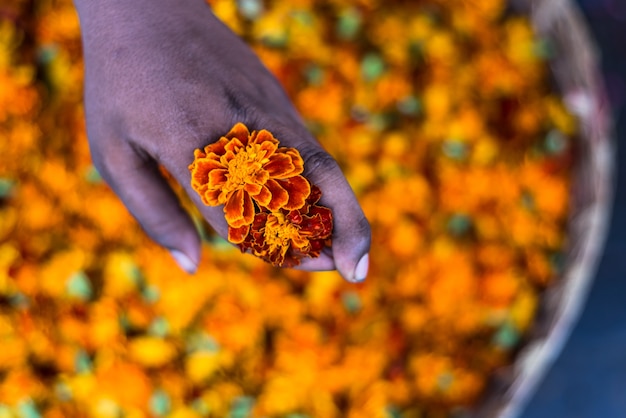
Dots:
pixel 164 77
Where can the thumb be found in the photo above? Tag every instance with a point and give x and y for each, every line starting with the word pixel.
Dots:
pixel 145 193
pixel 351 233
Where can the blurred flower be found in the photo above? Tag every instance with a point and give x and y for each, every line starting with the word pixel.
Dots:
pixel 123 383
pixel 151 351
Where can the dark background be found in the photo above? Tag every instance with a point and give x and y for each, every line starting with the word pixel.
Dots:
pixel 589 378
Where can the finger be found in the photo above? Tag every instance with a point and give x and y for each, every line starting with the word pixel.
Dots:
pixel 351 233
pixel 324 262
pixel 141 187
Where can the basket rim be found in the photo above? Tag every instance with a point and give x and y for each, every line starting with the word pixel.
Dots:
pixel 592 194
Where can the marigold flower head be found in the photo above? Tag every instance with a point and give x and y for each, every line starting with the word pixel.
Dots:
pixel 284 237
pixel 244 167
pixel 270 208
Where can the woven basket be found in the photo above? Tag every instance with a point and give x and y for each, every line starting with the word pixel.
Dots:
pixel 576 72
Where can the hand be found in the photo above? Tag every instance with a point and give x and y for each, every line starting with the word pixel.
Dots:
pixel 164 77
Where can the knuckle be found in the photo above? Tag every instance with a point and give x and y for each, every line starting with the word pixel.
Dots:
pixel 236 106
pixel 319 164
pixel 363 229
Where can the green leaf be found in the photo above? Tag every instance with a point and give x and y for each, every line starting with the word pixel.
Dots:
pixel 349 24
pixel 160 403
pixel 459 224
pixel 201 341
pixel 62 391
pixel 314 75
pixel 241 407
pixel 555 142
pixel 250 9
pixel 444 381
pixel 200 406
pixel 507 336
pixel 372 66
pixel 543 48
pixel 159 327
pixel 6 187
pixel 92 175
pixel 79 286
pixel 410 106
pixel 82 362
pixel 351 301
pixel 455 149
pixel 151 293
pixel 27 409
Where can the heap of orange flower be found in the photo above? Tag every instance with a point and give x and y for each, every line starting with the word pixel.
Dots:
pixel 439 109
pixel 270 208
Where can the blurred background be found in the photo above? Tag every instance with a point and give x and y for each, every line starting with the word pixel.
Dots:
pixel 588 378
pixel 95 317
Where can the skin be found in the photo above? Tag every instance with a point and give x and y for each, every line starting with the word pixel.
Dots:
pixel 164 77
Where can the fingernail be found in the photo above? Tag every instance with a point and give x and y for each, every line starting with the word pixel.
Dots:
pixel 360 272
pixel 184 262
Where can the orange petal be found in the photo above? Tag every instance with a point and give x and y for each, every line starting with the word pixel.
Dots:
pixel 280 166
pixel 326 221
pixel 263 197
pixel 316 247
pixel 261 177
pixel 308 226
pixel 265 137
pixel 233 209
pixel 202 190
pixel 290 261
pixel 198 153
pixel 239 131
pixel 212 197
pixel 253 188
pixel 216 148
pixel 268 145
pixel 300 242
pixel 296 160
pixel 238 235
pixel 280 196
pixel 246 211
pixel 260 219
pixel 217 177
pixel 200 170
pixel 234 145
pixel 277 257
pixel 298 188
pixel 226 157
pixel 237 209
pixel 317 224
pixel 316 194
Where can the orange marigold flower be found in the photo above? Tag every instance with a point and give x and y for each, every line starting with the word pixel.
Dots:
pixel 284 237
pixel 242 168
